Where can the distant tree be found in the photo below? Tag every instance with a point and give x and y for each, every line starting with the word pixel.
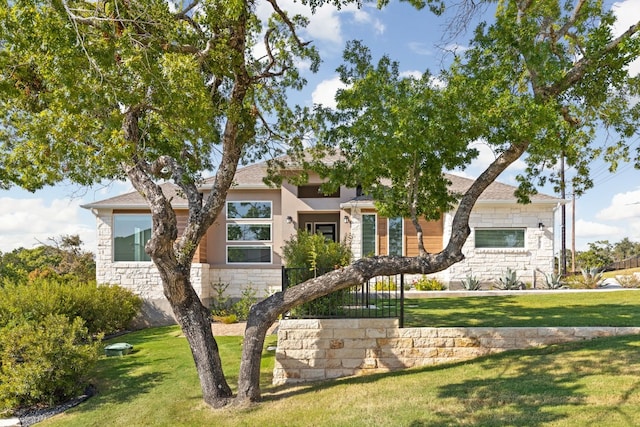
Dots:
pixel 63 257
pixel 625 248
pixel 599 255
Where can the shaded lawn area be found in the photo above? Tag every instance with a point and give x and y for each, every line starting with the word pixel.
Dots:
pixel 552 308
pixel 575 384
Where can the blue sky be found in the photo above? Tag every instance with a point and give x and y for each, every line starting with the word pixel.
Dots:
pixel 415 39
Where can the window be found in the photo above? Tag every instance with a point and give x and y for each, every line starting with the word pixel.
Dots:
pixel 313 192
pixel 249 254
pixel 249 210
pixel 368 235
pixel 500 238
pixel 130 233
pixel 395 235
pixel 249 221
pixel 248 232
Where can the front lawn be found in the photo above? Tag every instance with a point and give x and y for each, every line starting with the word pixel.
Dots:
pixel 550 308
pixel 574 384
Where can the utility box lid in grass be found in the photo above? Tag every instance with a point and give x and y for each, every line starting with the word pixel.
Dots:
pixel 118 349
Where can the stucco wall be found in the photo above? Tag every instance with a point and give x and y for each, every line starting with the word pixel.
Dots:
pixel 311 350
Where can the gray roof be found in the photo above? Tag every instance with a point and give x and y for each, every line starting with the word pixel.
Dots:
pixel 134 200
pixel 251 177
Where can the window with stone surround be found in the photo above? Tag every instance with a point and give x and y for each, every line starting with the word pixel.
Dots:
pixel 130 234
pixel 504 238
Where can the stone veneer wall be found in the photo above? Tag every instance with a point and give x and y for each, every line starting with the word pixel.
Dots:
pixel 490 264
pixel 311 350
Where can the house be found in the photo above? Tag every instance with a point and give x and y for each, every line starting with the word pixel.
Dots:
pixel 243 248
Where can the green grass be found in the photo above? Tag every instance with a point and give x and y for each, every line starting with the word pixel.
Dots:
pixel 551 308
pixel 575 384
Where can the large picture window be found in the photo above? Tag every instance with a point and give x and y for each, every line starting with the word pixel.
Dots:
pixel 130 234
pixel 249 210
pixel 248 232
pixel 499 238
pixel 368 235
pixel 249 254
pixel 395 236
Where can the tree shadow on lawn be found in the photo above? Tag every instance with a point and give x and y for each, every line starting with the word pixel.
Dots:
pixel 523 387
pixel 118 384
pixel 506 311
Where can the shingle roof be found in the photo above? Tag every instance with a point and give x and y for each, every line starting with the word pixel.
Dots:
pixel 135 200
pixel 252 177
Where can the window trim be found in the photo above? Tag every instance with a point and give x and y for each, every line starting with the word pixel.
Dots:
pixel 113 236
pixel 249 224
pixel 502 248
pixel 269 247
pixel 228 202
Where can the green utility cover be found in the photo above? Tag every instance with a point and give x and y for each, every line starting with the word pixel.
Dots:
pixel 118 349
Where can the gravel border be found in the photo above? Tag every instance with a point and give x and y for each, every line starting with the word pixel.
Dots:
pixel 30 416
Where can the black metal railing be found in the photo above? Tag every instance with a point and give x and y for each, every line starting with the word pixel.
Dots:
pixel 380 297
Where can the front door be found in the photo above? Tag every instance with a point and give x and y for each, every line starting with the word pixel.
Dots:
pixel 327 229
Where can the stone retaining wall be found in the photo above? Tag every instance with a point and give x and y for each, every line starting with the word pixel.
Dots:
pixel 311 350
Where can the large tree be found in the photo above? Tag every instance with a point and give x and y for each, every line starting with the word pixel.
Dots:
pixel 154 89
pixel 149 90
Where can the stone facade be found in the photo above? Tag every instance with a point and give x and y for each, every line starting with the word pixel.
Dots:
pixel 312 350
pixel 530 262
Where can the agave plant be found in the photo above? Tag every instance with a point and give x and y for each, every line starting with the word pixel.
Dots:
pixel 509 281
pixel 554 281
pixel 471 283
pixel 592 276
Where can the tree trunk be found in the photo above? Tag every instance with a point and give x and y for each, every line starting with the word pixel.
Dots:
pixel 195 320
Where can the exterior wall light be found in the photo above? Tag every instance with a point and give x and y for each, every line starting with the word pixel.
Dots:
pixel 540 226
pixel 346 219
pixel 289 219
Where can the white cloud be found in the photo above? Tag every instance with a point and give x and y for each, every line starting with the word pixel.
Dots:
pixel 623 206
pixel 363 17
pixel 325 92
pixel 597 231
pixel 420 48
pixel 26 222
pixel 627 13
pixel 412 73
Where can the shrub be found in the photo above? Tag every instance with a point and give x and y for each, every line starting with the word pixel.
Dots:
pixel 470 283
pixel 308 255
pixel 386 284
pixel 223 308
pixel 44 361
pixel 589 279
pixel 104 309
pixel 428 284
pixel 510 281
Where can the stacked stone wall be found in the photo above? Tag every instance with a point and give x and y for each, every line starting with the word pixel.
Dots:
pixel 312 350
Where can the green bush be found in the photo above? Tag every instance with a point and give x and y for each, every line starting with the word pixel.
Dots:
pixel 104 309
pixel 428 284
pixel 308 255
pixel 223 307
pixel 385 285
pixel 44 361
